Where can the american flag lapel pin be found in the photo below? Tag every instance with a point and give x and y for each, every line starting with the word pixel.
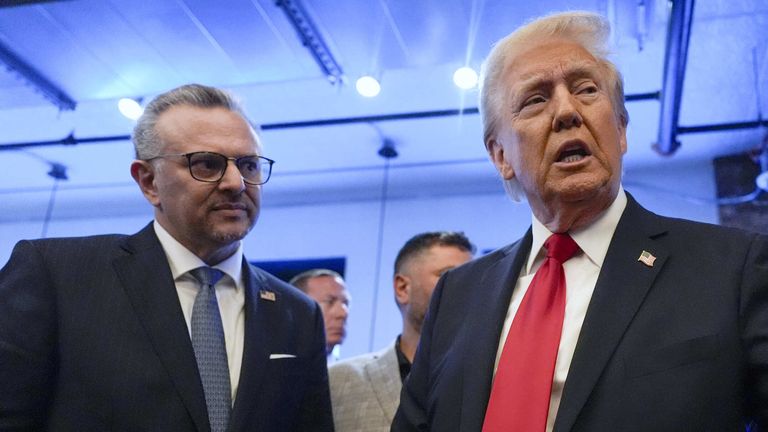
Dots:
pixel 267 295
pixel 647 258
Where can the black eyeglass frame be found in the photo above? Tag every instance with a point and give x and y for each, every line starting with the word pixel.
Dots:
pixel 236 160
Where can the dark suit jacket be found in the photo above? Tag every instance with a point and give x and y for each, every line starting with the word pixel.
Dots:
pixel 92 337
pixel 681 345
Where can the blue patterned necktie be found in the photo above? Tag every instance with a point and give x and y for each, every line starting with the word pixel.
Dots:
pixel 210 349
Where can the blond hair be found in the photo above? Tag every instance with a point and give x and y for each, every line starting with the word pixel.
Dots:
pixel 587 29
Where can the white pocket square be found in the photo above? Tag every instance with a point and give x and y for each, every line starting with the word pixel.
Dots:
pixel 281 356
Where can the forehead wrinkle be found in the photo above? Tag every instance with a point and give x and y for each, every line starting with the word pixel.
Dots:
pixel 570 71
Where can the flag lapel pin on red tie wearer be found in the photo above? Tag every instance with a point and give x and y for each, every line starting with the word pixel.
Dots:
pixel 647 258
pixel 267 295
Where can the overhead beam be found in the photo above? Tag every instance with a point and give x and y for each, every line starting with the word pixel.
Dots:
pixel 12 3
pixel 312 39
pixel 71 140
pixel 675 58
pixel 34 78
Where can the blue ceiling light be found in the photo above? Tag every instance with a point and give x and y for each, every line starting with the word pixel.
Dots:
pixel 465 78
pixel 130 108
pixel 368 86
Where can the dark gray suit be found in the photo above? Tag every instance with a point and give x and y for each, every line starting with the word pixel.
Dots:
pixel 681 345
pixel 92 337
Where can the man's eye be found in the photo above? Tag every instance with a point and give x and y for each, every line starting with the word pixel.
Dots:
pixel 588 89
pixel 249 166
pixel 207 164
pixel 533 100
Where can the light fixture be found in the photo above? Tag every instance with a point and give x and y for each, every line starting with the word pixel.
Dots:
pixel 762 179
pixel 368 86
pixel 465 78
pixel 130 108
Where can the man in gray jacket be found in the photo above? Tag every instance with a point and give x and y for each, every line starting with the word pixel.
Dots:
pixel 365 390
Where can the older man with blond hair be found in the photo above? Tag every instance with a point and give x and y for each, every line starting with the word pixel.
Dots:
pixel 604 316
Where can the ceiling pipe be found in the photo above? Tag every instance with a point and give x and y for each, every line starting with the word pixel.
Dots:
pixel 675 57
pixel 14 3
pixel 72 140
pixel 41 84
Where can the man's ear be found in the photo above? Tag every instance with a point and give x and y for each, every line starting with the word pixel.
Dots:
pixel 496 152
pixel 143 173
pixel 623 138
pixel 402 285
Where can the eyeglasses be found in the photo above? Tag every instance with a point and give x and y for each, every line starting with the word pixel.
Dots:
pixel 210 167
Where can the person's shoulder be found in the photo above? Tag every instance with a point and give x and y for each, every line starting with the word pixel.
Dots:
pixel 363 359
pixel 656 224
pixel 705 230
pixel 357 364
pixel 75 244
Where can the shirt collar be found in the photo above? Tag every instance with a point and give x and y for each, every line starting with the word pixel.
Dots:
pixel 593 240
pixel 182 260
pixel 402 361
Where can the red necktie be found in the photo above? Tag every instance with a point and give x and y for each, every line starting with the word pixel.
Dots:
pixel 521 390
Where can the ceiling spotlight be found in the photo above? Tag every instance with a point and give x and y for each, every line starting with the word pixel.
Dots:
pixel 130 108
pixel 465 77
pixel 762 180
pixel 368 86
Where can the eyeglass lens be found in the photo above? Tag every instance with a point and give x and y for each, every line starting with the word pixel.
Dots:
pixel 206 166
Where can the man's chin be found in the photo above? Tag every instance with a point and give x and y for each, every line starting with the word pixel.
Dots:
pixel 583 188
pixel 231 236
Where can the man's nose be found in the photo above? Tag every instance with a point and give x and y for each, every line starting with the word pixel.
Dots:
pixel 343 310
pixel 567 113
pixel 232 179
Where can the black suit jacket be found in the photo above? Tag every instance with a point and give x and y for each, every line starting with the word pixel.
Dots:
pixel 92 337
pixel 681 345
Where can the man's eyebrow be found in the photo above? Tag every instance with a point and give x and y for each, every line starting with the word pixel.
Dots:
pixel 582 69
pixel 538 78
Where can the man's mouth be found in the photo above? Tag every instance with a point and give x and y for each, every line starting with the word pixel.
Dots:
pixel 230 206
pixel 573 152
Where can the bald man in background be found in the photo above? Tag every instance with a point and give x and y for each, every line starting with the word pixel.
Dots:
pixel 329 290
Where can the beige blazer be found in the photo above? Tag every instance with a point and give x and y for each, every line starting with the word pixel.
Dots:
pixel 365 391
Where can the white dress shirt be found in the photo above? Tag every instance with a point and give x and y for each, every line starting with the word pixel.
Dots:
pixel 581 274
pixel 230 293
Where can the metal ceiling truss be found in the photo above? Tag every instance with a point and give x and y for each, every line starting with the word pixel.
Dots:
pixel 35 79
pixel 312 39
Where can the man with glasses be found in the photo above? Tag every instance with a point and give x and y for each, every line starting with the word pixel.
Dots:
pixel 170 328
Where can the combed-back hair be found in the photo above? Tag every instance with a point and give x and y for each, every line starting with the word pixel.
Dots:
pixel 421 242
pixel 587 29
pixel 301 280
pixel 146 141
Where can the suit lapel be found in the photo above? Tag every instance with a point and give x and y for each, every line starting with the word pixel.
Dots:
pixel 385 383
pixel 256 347
pixel 483 331
pixel 620 290
pixel 148 283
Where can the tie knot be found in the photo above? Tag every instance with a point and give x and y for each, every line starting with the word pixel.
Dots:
pixel 207 275
pixel 560 247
